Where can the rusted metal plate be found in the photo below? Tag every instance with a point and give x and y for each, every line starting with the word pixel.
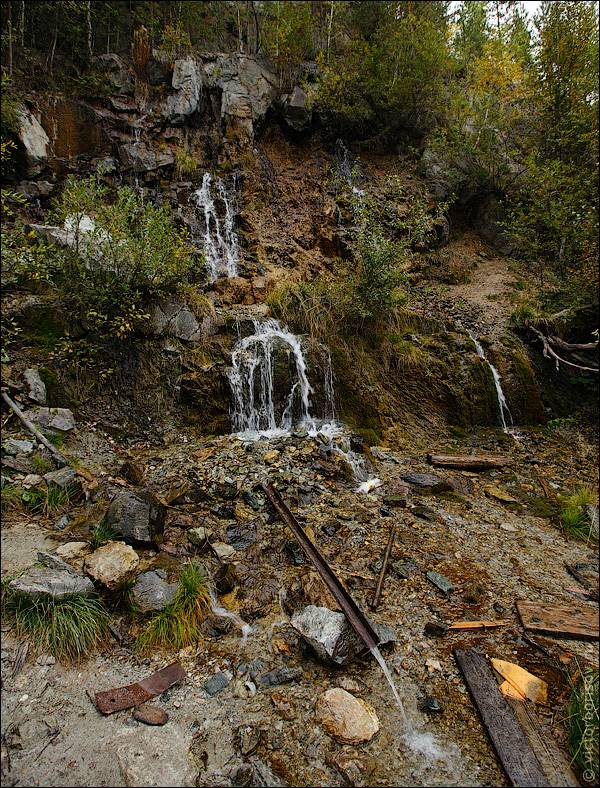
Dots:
pixel 356 618
pixel 132 695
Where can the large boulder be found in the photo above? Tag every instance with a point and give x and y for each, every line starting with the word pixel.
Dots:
pixel 173 318
pixel 330 635
pixel 112 564
pixel 117 73
pixel 296 110
pixel 448 175
pixel 152 592
pixel 56 582
pixel 137 156
pixel 58 419
pixel 136 516
pixel 66 479
pixel 31 133
pixel 187 82
pixel 37 389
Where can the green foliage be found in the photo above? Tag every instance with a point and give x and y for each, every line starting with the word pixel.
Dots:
pixel 68 627
pixel 560 426
pixel 45 500
pixel 582 723
pixel 175 42
pixel 185 163
pixel 573 515
pixel 102 534
pixel 178 625
pixel 57 439
pixel 41 464
pixel 9 114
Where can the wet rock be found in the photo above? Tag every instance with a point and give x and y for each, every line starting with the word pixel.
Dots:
pixel 136 516
pixel 216 683
pixel 131 472
pixel 430 705
pixel 112 564
pixel 224 579
pixel 187 84
pixel 427 482
pixel 60 419
pixel 150 714
pixel 348 719
pixel 137 156
pixel 37 389
pixel 241 536
pixel 152 592
pixel 158 758
pixel 198 536
pixel 282 675
pixel 14 447
pixel 55 582
pixel 330 636
pixel 67 479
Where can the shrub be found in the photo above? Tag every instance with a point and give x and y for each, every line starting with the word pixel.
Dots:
pixel 68 627
pixel 184 162
pixel 178 625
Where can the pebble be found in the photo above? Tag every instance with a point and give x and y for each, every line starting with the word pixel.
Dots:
pixel 151 714
pixel 348 719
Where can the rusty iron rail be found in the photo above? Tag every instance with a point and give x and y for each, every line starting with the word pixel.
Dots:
pixel 384 567
pixel 356 618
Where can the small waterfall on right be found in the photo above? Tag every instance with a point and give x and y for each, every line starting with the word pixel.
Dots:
pixel 502 404
pixel 220 239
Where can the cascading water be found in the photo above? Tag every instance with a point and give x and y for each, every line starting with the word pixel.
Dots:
pixel 502 404
pixel 254 408
pixel 220 239
pixel 222 612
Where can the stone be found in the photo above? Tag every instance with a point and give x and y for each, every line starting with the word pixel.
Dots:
pixel 37 389
pixel 441 582
pixel 347 719
pixel 216 683
pixel 489 220
pixel 427 482
pixel 67 479
pixel 271 456
pixel 152 592
pixel 112 564
pixel 137 156
pixel 296 110
pixel 158 758
pixel 34 189
pixel 436 628
pixel 31 133
pixel 73 550
pixel 282 675
pixel 45 659
pixel 136 516
pixel 223 550
pixel 62 522
pixel 283 705
pixel 499 494
pixel 187 84
pixel 60 419
pixel 53 561
pixel 241 536
pixel 55 582
pixel 14 447
pixel 150 714
pixel 430 705
pixel 247 739
pixel 330 635
pixel 117 73
pixel 198 536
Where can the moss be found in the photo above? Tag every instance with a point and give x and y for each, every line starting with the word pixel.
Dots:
pixel 542 507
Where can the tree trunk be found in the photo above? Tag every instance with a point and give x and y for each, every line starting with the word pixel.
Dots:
pixel 329 28
pixel 22 23
pixel 88 19
pixel 10 38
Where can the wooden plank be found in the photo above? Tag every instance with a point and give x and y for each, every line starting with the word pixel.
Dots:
pixel 510 743
pixel 469 462
pixel 576 621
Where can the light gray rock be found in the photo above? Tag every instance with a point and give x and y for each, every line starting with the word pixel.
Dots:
pixel 114 68
pixel 223 550
pixel 137 156
pixel 37 389
pixel 346 718
pixel 159 758
pixel 53 561
pixel 187 82
pixel 32 480
pixel 151 592
pixel 136 516
pixel 67 479
pixel 13 447
pixel 295 110
pixel 198 536
pixel 55 582
pixel 331 636
pixel 32 135
pixel 60 419
pixel 112 564
pixel 176 319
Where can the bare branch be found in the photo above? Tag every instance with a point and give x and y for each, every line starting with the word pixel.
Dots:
pixel 548 351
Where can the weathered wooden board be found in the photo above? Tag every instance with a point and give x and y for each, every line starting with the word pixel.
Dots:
pixel 468 462
pixel 512 746
pixel 576 621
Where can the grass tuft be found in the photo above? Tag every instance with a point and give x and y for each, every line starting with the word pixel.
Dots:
pixel 41 464
pixel 573 515
pixel 102 534
pixel 582 723
pixel 68 627
pixel 57 439
pixel 178 625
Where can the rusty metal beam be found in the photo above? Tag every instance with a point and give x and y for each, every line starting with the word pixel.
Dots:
pixel 356 618
pixel 384 567
pixel 133 694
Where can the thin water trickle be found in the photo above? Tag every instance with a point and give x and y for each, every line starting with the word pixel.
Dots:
pixel 220 239
pixel 502 404
pixel 386 672
pixel 222 612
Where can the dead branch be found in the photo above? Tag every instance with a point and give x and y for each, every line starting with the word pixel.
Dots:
pixel 58 458
pixel 558 342
pixel 549 352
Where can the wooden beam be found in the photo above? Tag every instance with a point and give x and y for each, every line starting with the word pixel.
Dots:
pixel 469 462
pixel 576 621
pixel 510 743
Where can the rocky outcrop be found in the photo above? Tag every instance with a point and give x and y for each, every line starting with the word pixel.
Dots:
pixel 296 110
pixel 31 133
pixel 447 175
pixel 187 82
pixel 117 73
pixel 136 517
pixel 488 220
pixel 176 319
pixel 139 157
pixel 55 582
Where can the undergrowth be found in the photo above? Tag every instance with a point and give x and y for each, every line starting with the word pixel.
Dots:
pixel 67 627
pixel 178 625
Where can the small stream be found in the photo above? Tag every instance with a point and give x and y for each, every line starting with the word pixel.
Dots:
pixel 503 408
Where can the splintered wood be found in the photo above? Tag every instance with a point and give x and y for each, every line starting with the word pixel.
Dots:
pixel 576 621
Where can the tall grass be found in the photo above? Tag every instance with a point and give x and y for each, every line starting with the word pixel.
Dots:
pixel 67 627
pixel 178 625
pixel 574 517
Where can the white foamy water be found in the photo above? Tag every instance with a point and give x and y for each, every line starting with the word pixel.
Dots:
pixel 220 239
pixel 222 612
pixel 502 404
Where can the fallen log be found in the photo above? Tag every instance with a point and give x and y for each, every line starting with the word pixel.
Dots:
pixel 58 458
pixel 468 462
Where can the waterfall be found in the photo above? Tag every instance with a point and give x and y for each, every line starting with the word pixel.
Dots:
pixel 502 404
pixel 329 389
pixel 220 239
pixel 254 407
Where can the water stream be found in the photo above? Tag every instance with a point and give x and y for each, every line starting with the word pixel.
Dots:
pixel 220 239
pixel 502 404
pixel 222 612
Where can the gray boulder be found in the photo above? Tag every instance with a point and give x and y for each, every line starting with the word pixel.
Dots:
pixel 173 318
pixel 152 592
pixel 12 447
pixel 330 635
pixel 67 479
pixel 137 156
pixel 187 82
pixel 447 175
pixel 60 419
pixel 295 110
pixel 37 389
pixel 55 582
pixel 53 561
pixel 136 516
pixel 427 482
pixel 33 189
pixel 31 133
pixel 117 73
